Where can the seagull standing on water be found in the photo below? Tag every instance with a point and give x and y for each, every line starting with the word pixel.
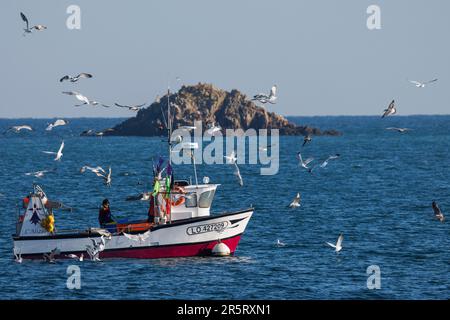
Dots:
pixel 58 154
pixel 264 98
pixel 338 245
pixel 305 163
pixel 279 243
pixel 76 78
pixel 38 27
pixel 390 110
pixel 57 123
pixel 437 212
pixel 296 202
pixel 74 256
pixel 419 84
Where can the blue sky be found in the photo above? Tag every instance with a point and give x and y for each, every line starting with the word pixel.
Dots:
pixel 320 53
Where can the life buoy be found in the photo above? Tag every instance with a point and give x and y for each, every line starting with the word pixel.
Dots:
pixel 178 202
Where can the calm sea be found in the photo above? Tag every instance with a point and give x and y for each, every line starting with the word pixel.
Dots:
pixel 378 194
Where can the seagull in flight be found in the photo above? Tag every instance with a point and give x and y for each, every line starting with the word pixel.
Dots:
pixel 131 108
pixel 390 110
pixel 145 196
pixel 57 123
pixel 437 212
pixel 84 99
pixel 141 237
pixel 419 84
pixel 338 245
pixel 307 139
pixel 76 78
pixel 325 163
pixel 237 173
pixel 213 129
pixel 100 172
pixel 264 98
pixel 17 129
pixel 231 159
pixel 58 154
pixel 401 130
pixel 97 247
pixel 296 202
pixel 305 163
pixel 38 27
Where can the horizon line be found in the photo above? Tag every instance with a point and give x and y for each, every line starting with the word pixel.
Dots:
pixel 288 116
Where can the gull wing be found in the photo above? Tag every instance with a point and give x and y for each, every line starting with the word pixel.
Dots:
pixel 121 106
pixel 331 245
pixel 307 161
pixel 415 82
pixel 84 75
pixel 339 241
pixel 434 80
pixel 64 78
pixel 24 18
pixel 61 147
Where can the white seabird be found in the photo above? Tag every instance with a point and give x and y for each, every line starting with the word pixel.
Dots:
pixel 141 237
pixel 50 257
pixel 17 129
pixel 131 108
pixel 437 212
pixel 305 163
pixel 390 110
pixel 100 172
pixel 237 173
pixel 212 129
pixel 338 245
pixel 325 163
pixel 296 202
pixel 231 159
pixel 58 154
pixel 419 84
pixel 57 123
pixel 27 29
pixel 76 78
pixel 264 98
pixel 84 99
pixel 280 243
pixel 37 174
pixel 401 130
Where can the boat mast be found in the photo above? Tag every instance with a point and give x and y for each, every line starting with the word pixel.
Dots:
pixel 169 125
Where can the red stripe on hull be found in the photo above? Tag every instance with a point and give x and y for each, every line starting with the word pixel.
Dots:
pixel 156 252
pixel 185 250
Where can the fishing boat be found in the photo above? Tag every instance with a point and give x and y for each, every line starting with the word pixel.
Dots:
pixel 179 224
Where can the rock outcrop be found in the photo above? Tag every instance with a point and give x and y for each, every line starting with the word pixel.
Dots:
pixel 206 103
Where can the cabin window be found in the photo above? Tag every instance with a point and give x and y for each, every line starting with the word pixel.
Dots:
pixel 206 199
pixel 191 200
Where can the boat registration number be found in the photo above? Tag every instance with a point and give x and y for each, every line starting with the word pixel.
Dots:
pixel 204 228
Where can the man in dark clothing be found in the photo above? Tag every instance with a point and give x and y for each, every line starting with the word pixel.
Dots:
pixel 104 215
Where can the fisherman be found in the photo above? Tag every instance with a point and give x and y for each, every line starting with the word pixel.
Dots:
pixel 104 215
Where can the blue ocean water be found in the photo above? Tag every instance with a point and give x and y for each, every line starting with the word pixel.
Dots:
pixel 378 194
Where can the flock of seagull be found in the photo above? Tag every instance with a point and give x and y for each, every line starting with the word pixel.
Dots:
pixel 263 98
pixel 389 111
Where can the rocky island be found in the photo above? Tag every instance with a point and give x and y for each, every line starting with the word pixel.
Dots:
pixel 206 103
